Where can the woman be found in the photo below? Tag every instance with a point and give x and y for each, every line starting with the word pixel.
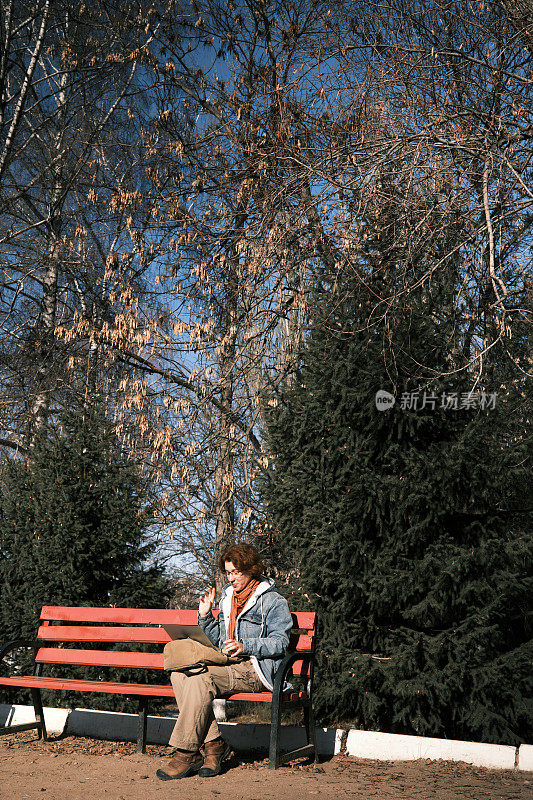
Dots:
pixel 253 628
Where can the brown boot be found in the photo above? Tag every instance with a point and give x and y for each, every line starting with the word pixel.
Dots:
pixel 215 752
pixel 182 764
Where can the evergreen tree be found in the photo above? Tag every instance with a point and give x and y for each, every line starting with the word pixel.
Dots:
pixel 72 527
pixel 406 528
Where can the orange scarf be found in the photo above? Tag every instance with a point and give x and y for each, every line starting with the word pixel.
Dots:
pixel 238 601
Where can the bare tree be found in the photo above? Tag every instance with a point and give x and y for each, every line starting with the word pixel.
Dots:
pixel 521 15
pixel 70 78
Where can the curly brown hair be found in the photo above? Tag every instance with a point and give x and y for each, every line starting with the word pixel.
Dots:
pixel 244 557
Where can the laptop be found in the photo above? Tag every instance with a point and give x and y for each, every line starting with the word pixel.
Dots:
pixel 196 633
pixel 189 632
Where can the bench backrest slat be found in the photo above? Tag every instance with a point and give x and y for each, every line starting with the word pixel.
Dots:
pixel 99 658
pixel 301 641
pixel 91 633
pixel 116 658
pixel 120 616
pixel 155 635
pixel 303 620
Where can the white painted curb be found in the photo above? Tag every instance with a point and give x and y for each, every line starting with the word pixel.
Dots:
pixel 525 757
pixel 397 747
pixel 54 718
pixel 330 741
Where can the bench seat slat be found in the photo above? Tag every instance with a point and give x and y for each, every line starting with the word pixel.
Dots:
pixel 265 697
pixel 91 633
pixel 99 658
pixel 144 689
pixel 73 684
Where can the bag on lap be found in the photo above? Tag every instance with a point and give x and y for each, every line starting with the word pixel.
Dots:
pixel 186 653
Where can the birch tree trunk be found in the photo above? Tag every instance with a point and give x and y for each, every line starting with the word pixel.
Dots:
pixel 48 311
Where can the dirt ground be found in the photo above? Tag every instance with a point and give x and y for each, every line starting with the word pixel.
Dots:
pixel 73 768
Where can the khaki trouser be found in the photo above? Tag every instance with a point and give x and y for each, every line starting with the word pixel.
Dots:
pixel 195 689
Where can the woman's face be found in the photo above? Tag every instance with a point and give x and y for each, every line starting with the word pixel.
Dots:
pixel 239 580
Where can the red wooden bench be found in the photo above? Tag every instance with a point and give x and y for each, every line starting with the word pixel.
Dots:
pixel 64 625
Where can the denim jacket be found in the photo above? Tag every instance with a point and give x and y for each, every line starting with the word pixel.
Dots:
pixel 263 626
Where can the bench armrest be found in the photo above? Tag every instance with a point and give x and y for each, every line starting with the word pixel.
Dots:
pixel 283 669
pixel 15 644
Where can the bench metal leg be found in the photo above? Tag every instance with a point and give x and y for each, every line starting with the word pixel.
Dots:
pixel 275 724
pixel 142 725
pixel 39 714
pixel 308 750
pixel 309 722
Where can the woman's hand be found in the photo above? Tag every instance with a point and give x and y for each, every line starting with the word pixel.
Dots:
pixel 206 602
pixel 232 647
